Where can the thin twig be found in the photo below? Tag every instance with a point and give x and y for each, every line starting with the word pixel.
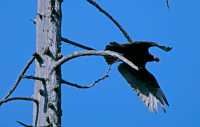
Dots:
pixel 93 2
pixel 23 124
pixel 104 76
pixel 34 78
pixel 94 53
pixel 167 3
pixel 20 77
pixel 76 44
pixel 23 99
pixel 26 125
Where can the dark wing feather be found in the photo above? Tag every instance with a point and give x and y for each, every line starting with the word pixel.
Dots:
pixel 136 52
pixel 113 46
pixel 116 47
pixel 146 87
pixel 154 44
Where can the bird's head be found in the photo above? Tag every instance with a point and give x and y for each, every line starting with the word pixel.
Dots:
pixel 152 58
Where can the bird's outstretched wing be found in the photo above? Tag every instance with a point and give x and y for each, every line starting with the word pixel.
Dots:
pixel 149 44
pixel 137 52
pixel 146 87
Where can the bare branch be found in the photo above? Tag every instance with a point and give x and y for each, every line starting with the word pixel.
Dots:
pixel 26 125
pixel 34 78
pixel 167 3
pixel 93 2
pixel 76 44
pixel 93 53
pixel 104 76
pixel 23 124
pixel 42 92
pixel 23 99
pixel 38 58
pixel 20 77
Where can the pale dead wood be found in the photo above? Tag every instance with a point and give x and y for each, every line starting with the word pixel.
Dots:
pixel 92 53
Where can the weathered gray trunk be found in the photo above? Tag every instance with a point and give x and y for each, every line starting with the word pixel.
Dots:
pixel 48 33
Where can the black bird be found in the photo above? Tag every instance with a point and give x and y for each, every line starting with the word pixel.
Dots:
pixel 136 52
pixel 142 81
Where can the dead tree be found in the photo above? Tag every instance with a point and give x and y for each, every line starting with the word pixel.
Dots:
pixel 48 61
pixel 48 33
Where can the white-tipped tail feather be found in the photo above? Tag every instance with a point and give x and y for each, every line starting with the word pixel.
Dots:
pixel 146 87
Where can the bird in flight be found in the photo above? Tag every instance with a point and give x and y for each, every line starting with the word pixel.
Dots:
pixel 142 81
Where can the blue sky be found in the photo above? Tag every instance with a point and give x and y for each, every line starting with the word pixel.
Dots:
pixel 112 102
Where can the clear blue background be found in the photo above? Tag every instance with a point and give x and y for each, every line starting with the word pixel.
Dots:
pixel 112 102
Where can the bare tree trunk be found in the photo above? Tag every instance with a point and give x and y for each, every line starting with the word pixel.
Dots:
pixel 48 35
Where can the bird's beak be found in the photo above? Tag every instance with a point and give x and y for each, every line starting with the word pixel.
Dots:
pixel 156 58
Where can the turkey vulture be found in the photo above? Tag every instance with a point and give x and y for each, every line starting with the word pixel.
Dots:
pixel 142 81
pixel 136 52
